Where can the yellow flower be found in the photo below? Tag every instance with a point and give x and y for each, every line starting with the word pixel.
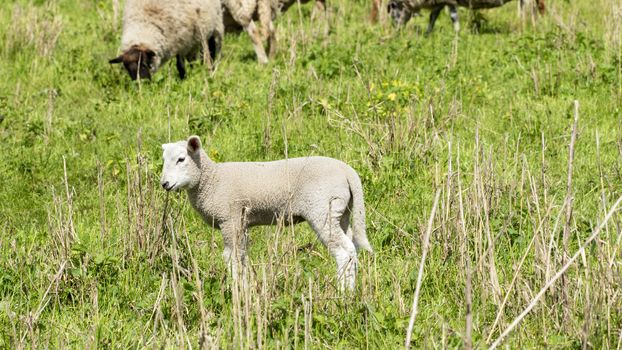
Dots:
pixel 391 96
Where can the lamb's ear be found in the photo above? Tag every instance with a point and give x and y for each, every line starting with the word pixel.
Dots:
pixel 194 144
pixel 116 60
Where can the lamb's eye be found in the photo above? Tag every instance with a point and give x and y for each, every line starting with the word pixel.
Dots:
pixel 180 160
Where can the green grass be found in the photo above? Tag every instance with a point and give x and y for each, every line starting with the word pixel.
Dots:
pixel 103 257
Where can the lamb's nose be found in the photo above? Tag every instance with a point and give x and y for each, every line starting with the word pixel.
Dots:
pixel 165 185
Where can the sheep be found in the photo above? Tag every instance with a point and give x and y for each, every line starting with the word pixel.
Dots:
pixel 402 10
pixel 233 196
pixel 241 15
pixel 155 31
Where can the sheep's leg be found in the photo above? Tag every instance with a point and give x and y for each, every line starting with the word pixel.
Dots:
pixel 541 6
pixel 272 44
pixel 181 68
pixel 345 224
pixel 453 13
pixel 327 226
pixel 319 8
pixel 234 254
pixel 373 14
pixel 213 45
pixel 433 16
pixel 257 41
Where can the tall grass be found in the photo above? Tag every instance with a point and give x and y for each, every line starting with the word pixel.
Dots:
pixel 521 248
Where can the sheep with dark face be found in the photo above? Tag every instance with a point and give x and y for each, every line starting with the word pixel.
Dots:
pixel 402 10
pixel 155 31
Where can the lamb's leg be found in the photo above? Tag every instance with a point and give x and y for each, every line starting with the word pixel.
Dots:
pixel 272 44
pixel 319 10
pixel 257 40
pixel 433 16
pixel 453 13
pixel 181 67
pixel 327 225
pixel 234 254
pixel 345 224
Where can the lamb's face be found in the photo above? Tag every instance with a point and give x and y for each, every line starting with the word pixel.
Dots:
pixel 138 62
pixel 399 12
pixel 181 169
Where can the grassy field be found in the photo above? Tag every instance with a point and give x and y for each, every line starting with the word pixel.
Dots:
pixel 94 254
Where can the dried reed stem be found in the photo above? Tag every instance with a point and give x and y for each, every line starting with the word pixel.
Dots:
pixel 559 273
pixel 467 263
pixel 568 204
pixel 426 243
pixel 32 319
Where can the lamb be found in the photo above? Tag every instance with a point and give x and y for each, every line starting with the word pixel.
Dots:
pixel 234 196
pixel 155 31
pixel 402 10
pixel 241 15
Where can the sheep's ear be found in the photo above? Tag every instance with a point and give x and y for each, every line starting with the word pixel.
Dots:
pixel 194 144
pixel 116 60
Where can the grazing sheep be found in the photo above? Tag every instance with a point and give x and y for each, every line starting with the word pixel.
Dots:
pixel 402 10
pixel 320 5
pixel 155 31
pixel 325 192
pixel 241 15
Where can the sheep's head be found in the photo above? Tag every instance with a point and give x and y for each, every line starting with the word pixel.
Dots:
pixel 138 61
pixel 399 11
pixel 182 164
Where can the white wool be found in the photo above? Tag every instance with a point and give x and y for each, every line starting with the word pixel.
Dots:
pixel 233 196
pixel 171 27
pixel 242 14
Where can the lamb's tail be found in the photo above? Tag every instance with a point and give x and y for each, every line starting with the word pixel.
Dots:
pixel 357 212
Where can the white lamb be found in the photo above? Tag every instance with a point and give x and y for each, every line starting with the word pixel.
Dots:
pixel 155 31
pixel 325 192
pixel 241 15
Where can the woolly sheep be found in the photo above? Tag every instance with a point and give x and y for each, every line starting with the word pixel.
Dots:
pixel 241 15
pixel 231 197
pixel 155 31
pixel 402 10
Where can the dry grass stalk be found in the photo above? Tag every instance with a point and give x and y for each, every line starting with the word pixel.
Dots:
pixel 31 319
pixel 568 206
pixel 467 264
pixel 559 273
pixel 52 94
pixel 37 27
pixel 102 202
pixel 425 247
pixel 516 274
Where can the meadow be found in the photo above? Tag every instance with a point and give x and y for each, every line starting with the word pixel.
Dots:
pixel 501 146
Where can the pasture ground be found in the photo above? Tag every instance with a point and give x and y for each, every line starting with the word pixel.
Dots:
pixel 94 254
